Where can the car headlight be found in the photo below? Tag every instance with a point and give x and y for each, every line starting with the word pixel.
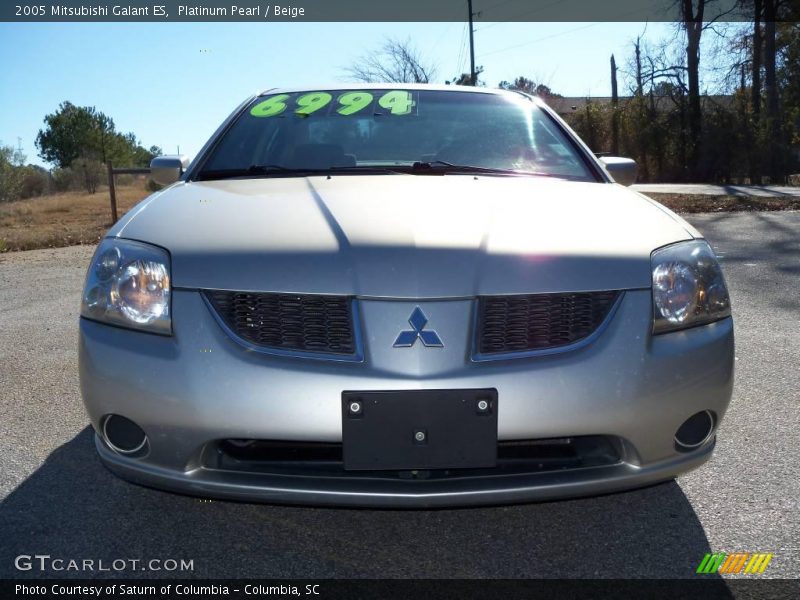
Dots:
pixel 688 287
pixel 128 284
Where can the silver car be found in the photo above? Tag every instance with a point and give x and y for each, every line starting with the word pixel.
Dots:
pixel 402 296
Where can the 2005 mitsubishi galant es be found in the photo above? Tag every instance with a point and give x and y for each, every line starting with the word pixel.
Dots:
pixel 402 296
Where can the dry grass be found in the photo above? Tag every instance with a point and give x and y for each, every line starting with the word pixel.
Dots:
pixel 63 219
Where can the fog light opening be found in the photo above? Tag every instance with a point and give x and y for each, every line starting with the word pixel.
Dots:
pixel 241 443
pixel 123 435
pixel 696 430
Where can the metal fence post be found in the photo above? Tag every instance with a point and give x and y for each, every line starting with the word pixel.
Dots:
pixel 112 192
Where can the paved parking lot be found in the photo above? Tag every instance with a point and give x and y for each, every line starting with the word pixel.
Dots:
pixel 709 189
pixel 57 499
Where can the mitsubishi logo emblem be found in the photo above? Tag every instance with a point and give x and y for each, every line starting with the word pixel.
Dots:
pixel 407 338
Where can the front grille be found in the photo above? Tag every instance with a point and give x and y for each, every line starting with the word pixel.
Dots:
pixel 288 322
pixel 508 324
pixel 324 459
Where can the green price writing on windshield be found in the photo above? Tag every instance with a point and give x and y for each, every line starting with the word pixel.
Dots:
pixel 394 102
pixel 398 102
pixel 309 103
pixel 352 102
pixel 270 107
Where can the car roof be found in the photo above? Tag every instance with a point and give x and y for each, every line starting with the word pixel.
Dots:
pixel 390 86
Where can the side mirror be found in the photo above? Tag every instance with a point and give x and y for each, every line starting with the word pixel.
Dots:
pixel 623 170
pixel 166 170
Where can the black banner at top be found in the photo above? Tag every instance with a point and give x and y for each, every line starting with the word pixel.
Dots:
pixel 366 10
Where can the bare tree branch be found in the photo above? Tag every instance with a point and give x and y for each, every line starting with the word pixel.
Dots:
pixel 396 62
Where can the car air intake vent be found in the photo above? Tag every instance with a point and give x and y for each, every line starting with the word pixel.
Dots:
pixel 288 322
pixel 509 324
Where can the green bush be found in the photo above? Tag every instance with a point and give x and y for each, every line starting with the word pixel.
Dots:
pixel 35 182
pixel 123 179
pixel 10 174
pixel 89 173
pixel 63 179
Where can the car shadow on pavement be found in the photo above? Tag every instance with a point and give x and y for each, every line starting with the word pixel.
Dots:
pixel 747 190
pixel 73 508
pixel 769 252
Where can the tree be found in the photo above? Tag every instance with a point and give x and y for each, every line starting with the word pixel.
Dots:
pixel 35 181
pixel 74 132
pixel 466 78
pixel 395 62
pixel 614 109
pixel 68 134
pixel 774 59
pixel 747 121
pixel 522 84
pixel 755 91
pixel 591 123
pixel 90 172
pixel 788 76
pixel 142 156
pixel 529 86
pixel 11 162
pixel 774 145
pixel 758 41
pixel 692 21
pixel 103 134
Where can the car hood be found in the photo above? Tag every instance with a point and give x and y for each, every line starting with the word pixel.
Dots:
pixel 401 236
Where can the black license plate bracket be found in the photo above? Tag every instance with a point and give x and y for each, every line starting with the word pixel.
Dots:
pixel 419 429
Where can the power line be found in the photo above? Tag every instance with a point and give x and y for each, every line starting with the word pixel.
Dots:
pixel 638 10
pixel 441 37
pixel 524 14
pixel 548 37
pixel 461 42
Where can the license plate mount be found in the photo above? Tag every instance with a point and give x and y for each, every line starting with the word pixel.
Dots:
pixel 419 429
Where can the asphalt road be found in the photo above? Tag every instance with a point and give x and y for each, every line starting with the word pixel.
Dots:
pixel 708 189
pixel 57 499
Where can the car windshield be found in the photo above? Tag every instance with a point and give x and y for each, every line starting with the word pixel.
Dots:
pixel 391 130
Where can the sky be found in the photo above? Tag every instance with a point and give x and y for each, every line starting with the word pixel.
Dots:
pixel 172 84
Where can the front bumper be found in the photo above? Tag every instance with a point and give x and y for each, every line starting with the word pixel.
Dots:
pixel 379 493
pixel 199 386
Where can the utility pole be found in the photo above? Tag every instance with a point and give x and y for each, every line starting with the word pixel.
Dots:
pixel 614 109
pixel 472 76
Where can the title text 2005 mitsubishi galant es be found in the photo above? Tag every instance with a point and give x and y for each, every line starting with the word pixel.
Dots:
pixel 402 296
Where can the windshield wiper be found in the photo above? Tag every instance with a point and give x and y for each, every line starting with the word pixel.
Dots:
pixel 365 169
pixel 270 170
pixel 273 169
pixel 438 167
pixel 434 167
pixel 252 170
